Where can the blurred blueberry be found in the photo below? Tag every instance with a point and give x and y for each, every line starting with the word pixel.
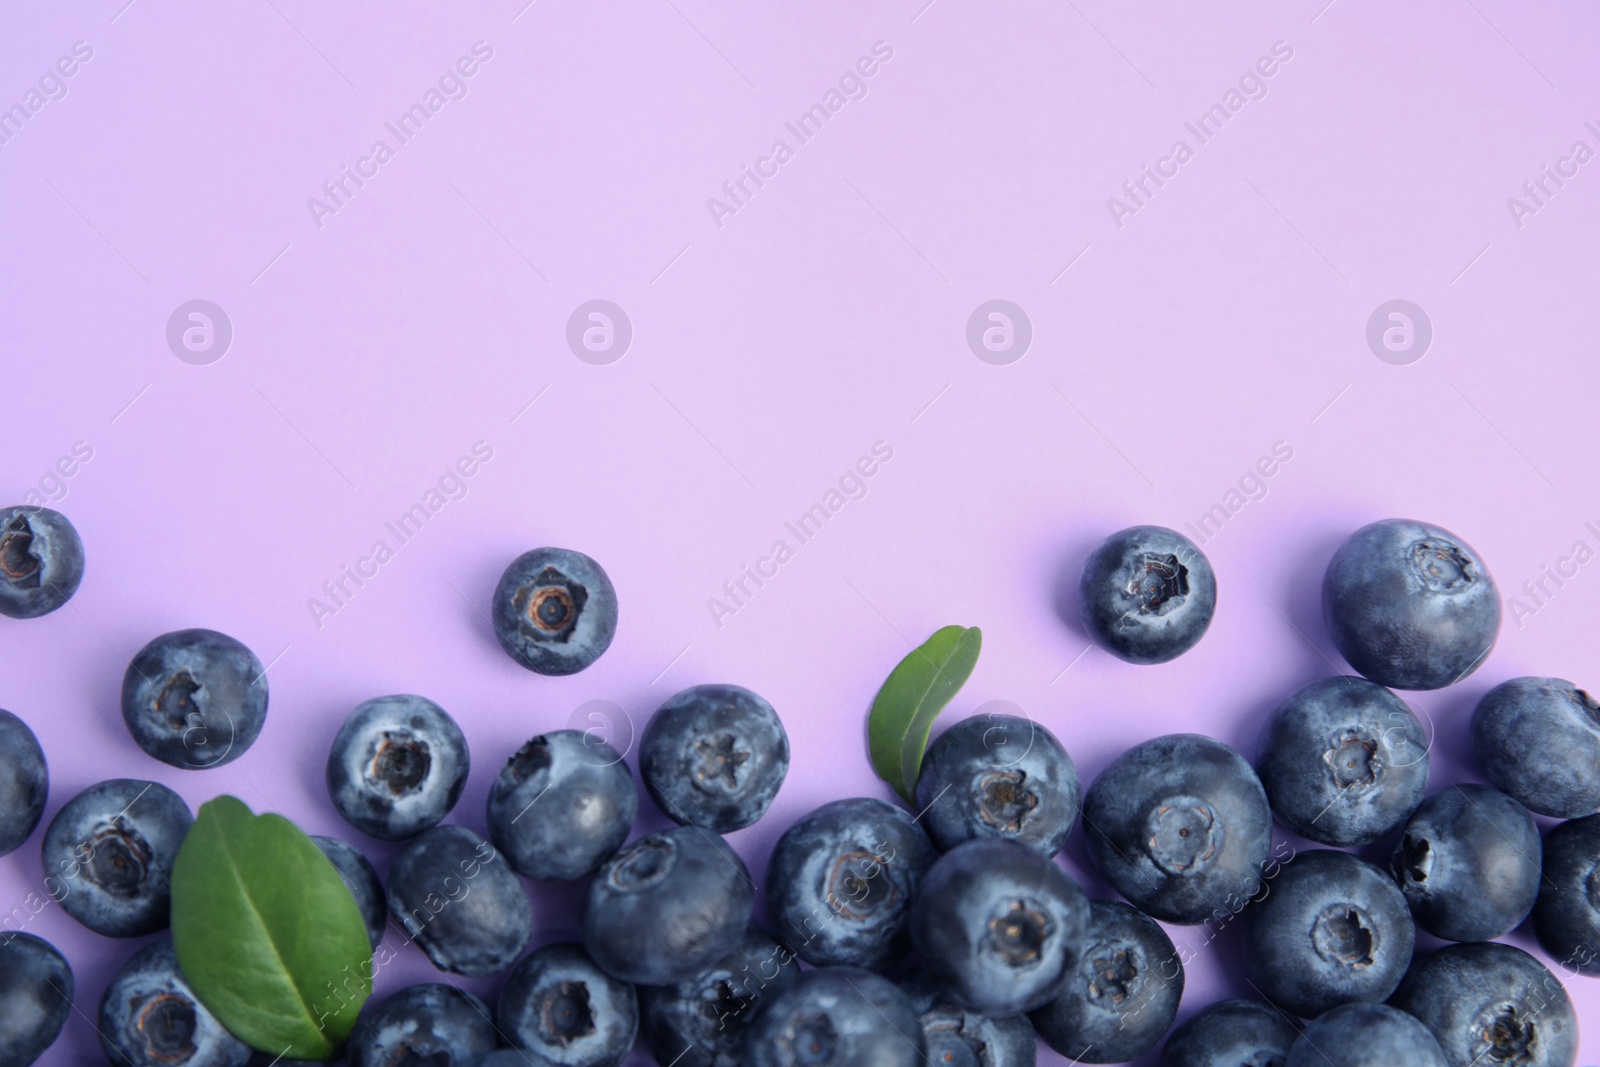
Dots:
pixel 1147 594
pixel 841 880
pixel 36 989
pixel 1334 930
pixel 429 1025
pixel 1000 776
pixel 1566 917
pixel 1123 995
pixel 1538 739
pixel 961 1038
pixel 837 1017
pixel 667 907
pixel 108 853
pixel 24 782
pixel 1343 761
pixel 562 805
pixel 714 756
pixel 701 1022
pixel 554 611
pixel 149 1017
pixel 397 766
pixel 1410 605
pixel 41 561
pixel 1469 863
pixel 998 927
pixel 1366 1035
pixel 361 879
pixel 1491 1004
pixel 194 698
pixel 455 896
pixel 1232 1033
pixel 1180 826
pixel 566 1012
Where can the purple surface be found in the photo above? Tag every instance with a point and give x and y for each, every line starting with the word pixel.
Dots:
pixel 1225 314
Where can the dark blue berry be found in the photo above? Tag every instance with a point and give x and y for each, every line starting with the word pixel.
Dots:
pixel 1566 917
pixel 564 1011
pixel 956 1037
pixel 41 561
pixel 149 1017
pixel 361 879
pixel 24 782
pixel 837 1017
pixel 108 854
pixel 562 805
pixel 36 989
pixel 999 776
pixel 1147 594
pixel 1491 1004
pixel 397 766
pixel 1538 739
pixel 424 1026
pixel 1410 605
pixel 1123 995
pixel 554 611
pixel 194 698
pixel 714 756
pixel 998 927
pixel 841 880
pixel 456 897
pixel 1366 1035
pixel 1180 826
pixel 1469 863
pixel 1232 1033
pixel 701 1022
pixel 667 907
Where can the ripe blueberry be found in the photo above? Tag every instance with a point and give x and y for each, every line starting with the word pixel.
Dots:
pixel 397 766
pixel 1231 1033
pixel 194 698
pixel 1410 605
pixel 714 756
pixel 455 896
pixel 436 1025
pixel 554 611
pixel 701 1022
pixel 1538 739
pixel 24 782
pixel 362 881
pixel 1491 1004
pixel 566 1012
pixel 999 776
pixel 35 997
pixel 1366 1035
pixel 961 1038
pixel 41 561
pixel 108 855
pixel 837 1017
pixel 1566 916
pixel 1147 594
pixel 561 806
pixel 149 1017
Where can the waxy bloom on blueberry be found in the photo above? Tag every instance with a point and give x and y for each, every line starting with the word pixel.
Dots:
pixel 554 611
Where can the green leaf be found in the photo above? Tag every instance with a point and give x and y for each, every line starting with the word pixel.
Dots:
pixel 267 933
pixel 911 698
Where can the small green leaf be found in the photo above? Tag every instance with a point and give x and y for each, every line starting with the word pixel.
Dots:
pixel 267 933
pixel 911 698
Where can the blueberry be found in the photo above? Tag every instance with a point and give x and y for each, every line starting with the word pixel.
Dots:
pixel 841 881
pixel 1366 1035
pixel 108 855
pixel 1469 863
pixel 956 1037
pixel 565 1011
pixel 1333 930
pixel 362 881
pixel 1566 917
pixel 836 1017
pixel 41 561
pixel 1124 993
pixel 424 1026
pixel 1147 594
pixel 194 698
pixel 667 907
pixel 714 756
pixel 1491 1004
pixel 36 989
pixel 998 927
pixel 554 611
pixel 149 1017
pixel 24 782
pixel 1343 761
pixel 562 805
pixel 1538 739
pixel 702 1022
pixel 999 776
pixel 1230 1033
pixel 1410 605
pixel 1180 826
pixel 397 766
pixel 456 897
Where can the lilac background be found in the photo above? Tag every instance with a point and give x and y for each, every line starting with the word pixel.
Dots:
pixel 769 353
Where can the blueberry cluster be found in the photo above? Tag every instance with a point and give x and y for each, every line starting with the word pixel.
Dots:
pixel 951 935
